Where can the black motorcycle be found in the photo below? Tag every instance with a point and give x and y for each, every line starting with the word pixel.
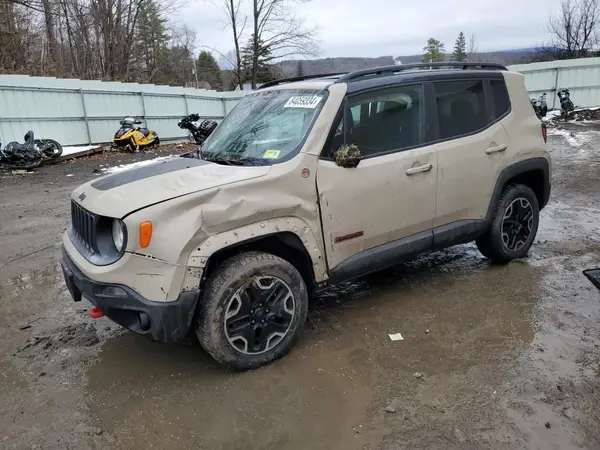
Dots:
pixel 566 105
pixel 198 131
pixel 31 153
pixel 540 106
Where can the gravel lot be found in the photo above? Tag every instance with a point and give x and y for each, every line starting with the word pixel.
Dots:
pixel 492 357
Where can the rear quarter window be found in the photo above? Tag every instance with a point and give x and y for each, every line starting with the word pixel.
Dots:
pixel 501 98
pixel 461 107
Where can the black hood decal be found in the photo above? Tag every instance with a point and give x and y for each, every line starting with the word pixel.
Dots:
pixel 129 176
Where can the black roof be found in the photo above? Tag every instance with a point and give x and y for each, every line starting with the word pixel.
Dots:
pixel 379 76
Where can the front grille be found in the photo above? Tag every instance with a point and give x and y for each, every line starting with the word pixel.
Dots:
pixel 84 226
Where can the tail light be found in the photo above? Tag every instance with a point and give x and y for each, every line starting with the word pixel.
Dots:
pixel 544 132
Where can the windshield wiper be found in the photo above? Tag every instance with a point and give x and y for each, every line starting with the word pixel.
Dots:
pixel 225 161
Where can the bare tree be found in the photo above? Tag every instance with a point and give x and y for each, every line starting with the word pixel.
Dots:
pixel 472 48
pixel 279 33
pixel 237 21
pixel 574 28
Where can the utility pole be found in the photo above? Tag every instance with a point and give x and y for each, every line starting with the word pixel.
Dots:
pixel 195 70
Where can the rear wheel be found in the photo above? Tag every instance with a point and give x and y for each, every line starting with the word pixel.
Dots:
pixel 514 225
pixel 252 311
pixel 24 164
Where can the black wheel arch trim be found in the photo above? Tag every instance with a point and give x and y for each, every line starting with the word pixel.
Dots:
pixel 285 239
pixel 516 169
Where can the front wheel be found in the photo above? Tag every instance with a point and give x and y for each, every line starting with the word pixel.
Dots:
pixel 514 225
pixel 51 148
pixel 252 311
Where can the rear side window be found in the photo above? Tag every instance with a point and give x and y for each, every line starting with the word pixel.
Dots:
pixel 461 107
pixel 501 98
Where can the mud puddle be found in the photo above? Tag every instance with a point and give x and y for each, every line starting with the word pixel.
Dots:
pixel 463 327
pixel 492 357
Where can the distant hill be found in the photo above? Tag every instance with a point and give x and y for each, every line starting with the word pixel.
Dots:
pixel 506 57
pixel 332 65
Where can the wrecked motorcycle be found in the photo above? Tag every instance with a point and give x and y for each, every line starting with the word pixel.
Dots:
pixel 32 153
pixel 566 105
pixel 540 106
pixel 198 131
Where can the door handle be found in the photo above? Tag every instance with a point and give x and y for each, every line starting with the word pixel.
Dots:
pixel 419 169
pixel 497 149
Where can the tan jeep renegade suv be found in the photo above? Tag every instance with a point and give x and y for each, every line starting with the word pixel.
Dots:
pixel 307 182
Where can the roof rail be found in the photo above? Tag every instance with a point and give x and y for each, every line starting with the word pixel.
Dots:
pixel 390 70
pixel 302 78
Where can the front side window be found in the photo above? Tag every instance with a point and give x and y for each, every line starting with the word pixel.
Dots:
pixel 382 121
pixel 265 127
pixel 461 107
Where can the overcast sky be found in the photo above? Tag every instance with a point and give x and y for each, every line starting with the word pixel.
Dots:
pixel 372 28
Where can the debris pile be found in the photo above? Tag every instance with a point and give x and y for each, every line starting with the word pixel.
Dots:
pixel 579 115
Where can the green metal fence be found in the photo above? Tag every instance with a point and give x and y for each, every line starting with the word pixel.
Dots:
pixel 581 76
pixel 76 112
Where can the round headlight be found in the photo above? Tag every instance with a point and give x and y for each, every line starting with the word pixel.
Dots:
pixel 118 234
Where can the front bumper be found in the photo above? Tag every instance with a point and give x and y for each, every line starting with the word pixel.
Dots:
pixel 161 321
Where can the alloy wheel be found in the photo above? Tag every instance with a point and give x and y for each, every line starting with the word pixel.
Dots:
pixel 517 224
pixel 259 315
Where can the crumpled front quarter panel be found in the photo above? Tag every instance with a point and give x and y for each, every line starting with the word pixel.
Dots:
pixel 282 201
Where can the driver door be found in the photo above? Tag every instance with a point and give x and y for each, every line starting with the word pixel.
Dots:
pixel 381 211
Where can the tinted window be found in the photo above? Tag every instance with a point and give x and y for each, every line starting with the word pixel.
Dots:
pixel 382 121
pixel 501 99
pixel 461 107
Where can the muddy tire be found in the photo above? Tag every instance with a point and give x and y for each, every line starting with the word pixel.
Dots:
pixel 252 311
pixel 514 225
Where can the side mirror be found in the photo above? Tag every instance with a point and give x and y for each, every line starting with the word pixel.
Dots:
pixel 347 156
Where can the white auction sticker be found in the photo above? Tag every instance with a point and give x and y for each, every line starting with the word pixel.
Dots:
pixel 303 101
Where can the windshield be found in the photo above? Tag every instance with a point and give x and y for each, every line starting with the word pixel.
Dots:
pixel 265 127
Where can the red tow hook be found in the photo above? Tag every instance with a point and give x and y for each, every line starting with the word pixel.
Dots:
pixel 95 313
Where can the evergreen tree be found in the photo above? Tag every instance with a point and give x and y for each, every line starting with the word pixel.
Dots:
pixel 263 58
pixel 208 70
pixel 460 48
pixel 151 40
pixel 300 69
pixel 433 51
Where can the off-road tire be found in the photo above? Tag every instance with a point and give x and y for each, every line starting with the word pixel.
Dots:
pixel 218 290
pixel 491 244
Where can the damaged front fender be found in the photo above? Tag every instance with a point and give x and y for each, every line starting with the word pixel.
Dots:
pixel 199 256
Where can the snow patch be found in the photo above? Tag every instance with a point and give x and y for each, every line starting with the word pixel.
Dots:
pixel 571 139
pixel 585 109
pixel 553 113
pixel 80 148
pixel 135 165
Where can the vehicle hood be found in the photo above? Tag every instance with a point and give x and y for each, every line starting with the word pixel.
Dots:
pixel 119 194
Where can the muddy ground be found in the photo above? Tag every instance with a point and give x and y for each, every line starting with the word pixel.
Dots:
pixel 492 357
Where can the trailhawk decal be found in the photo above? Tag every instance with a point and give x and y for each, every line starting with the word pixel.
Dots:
pixel 347 237
pixel 303 101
